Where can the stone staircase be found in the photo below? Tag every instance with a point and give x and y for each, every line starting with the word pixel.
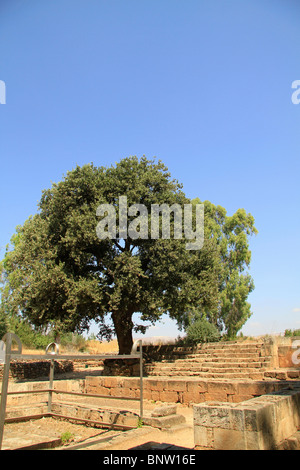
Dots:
pixel 230 360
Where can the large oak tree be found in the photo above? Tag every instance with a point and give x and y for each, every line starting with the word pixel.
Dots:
pixel 57 271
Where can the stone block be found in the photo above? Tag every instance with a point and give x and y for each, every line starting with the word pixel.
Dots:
pixel 192 397
pixel 131 382
pixel 253 423
pixel 125 392
pixel 222 388
pixel 213 415
pixel 253 440
pixel 281 376
pixel 155 395
pixel 240 398
pixel 236 416
pixel 109 382
pixel 293 374
pixel 171 397
pixel 202 386
pixel 225 439
pixel 147 395
pixel 196 387
pixel 262 423
pixel 100 390
pixel 215 396
pixel 254 389
pixel 202 437
pixel 176 386
pixel 164 411
pixel 157 385
pixel 164 422
pixel 91 380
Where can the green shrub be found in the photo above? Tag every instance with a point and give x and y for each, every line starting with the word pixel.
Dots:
pixel 73 341
pixel 22 329
pixel 201 331
pixel 67 437
pixel 292 333
pixel 3 325
pixel 34 339
pixel 41 341
pixel 29 337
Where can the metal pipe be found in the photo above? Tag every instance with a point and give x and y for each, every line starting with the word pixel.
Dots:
pixel 93 395
pixel 141 380
pixel 79 357
pixel 79 394
pixel 51 378
pixel 8 340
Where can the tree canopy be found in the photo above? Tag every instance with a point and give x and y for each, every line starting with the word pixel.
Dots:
pixel 57 271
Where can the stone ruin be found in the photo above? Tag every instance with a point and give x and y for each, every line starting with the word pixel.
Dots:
pixel 245 395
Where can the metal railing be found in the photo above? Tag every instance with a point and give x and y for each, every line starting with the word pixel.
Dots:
pixel 7 354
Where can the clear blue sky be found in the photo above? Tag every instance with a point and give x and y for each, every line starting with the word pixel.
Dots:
pixel 204 86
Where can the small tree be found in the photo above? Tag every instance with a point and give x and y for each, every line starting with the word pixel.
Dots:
pixel 231 237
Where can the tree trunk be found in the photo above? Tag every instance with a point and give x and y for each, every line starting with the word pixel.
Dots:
pixel 123 328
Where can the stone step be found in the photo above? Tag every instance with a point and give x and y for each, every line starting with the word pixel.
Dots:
pixel 210 347
pixel 216 368
pixel 195 371
pixel 220 352
pixel 164 417
pixel 206 365
pixel 225 351
pixel 164 422
pixel 217 358
pixel 282 374
pixel 219 364
pixel 214 360
pixel 217 354
pixel 210 375
pixel 229 346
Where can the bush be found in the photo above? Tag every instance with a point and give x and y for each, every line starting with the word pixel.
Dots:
pixel 67 437
pixel 289 333
pixel 73 342
pixel 34 339
pixel 201 331
pixel 24 331
pixel 3 325
pixel 41 341
pixel 29 337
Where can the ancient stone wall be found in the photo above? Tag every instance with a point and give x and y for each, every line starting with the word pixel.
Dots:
pixel 34 369
pixel 261 423
pixel 184 391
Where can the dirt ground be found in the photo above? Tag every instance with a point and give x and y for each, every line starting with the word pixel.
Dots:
pixel 48 430
pixel 51 431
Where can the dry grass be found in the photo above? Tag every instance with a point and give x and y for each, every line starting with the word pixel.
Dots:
pixel 32 351
pixel 92 347
pixel 95 347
